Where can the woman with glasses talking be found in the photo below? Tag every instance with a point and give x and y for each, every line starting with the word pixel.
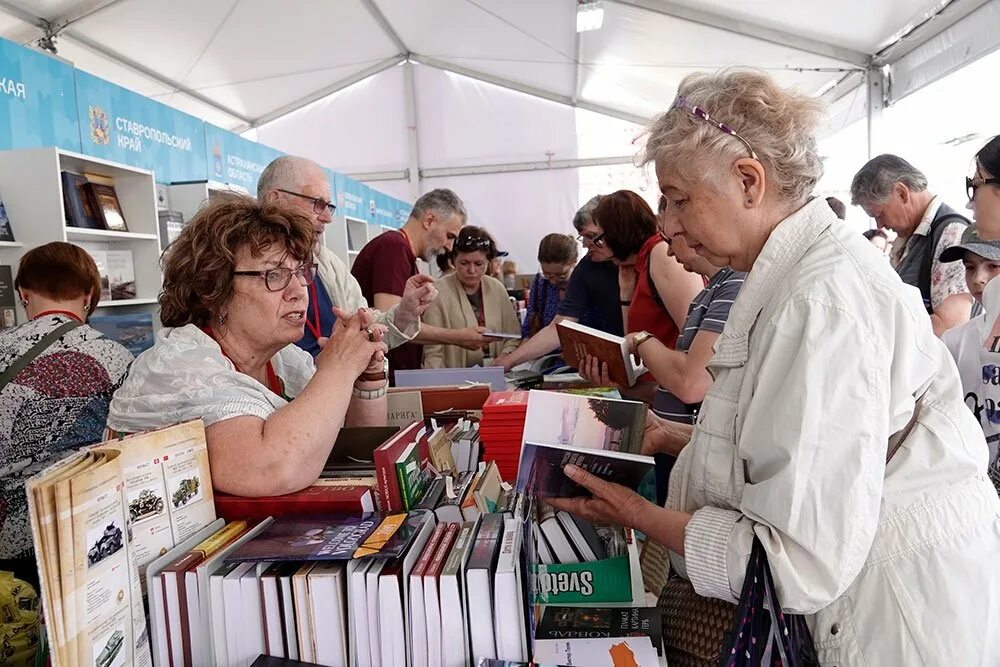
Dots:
pixel 234 302
pixel 470 298
pixel 984 191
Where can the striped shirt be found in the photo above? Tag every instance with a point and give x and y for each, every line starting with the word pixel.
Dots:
pixel 708 312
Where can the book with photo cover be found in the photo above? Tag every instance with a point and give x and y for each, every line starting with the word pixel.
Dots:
pixel 8 298
pixel 121 274
pixel 333 537
pixel 135 332
pixel 107 206
pixel 601 435
pixel 578 341
pixel 596 622
pixel 80 207
pixel 6 233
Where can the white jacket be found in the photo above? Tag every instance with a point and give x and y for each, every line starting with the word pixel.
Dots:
pixel 821 360
pixel 345 293
pixel 979 370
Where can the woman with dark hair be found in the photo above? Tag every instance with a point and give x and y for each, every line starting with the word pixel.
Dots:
pixel 57 375
pixel 468 298
pixel 655 289
pixel 557 255
pixel 234 302
pixel 878 238
pixel 984 191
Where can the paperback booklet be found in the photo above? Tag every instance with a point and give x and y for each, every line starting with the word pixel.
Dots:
pixel 8 298
pixel 601 435
pixel 578 341
pixel 97 518
pixel 600 622
pixel 612 652
pixel 121 274
pixel 333 537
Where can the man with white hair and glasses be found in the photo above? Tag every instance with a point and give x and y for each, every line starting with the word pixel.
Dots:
pixel 303 184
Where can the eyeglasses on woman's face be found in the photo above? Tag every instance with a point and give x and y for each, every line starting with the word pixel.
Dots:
pixel 277 279
pixel 973 184
pixel 596 240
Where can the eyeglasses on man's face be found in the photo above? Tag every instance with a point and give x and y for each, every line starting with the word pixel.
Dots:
pixel 973 184
pixel 277 279
pixel 319 205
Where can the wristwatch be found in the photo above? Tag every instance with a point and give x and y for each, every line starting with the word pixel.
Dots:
pixel 641 338
pixel 376 376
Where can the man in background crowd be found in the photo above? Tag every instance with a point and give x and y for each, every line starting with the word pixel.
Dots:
pixel 304 185
pixel 387 264
pixel 894 193
pixel 593 288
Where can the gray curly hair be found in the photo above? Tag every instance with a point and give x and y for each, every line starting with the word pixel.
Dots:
pixel 779 124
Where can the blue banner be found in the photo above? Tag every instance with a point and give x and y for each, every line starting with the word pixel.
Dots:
pixel 385 209
pixel 119 125
pixel 37 100
pixel 234 160
pixel 402 211
pixel 354 199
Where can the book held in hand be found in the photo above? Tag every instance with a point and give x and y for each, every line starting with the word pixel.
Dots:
pixel 601 435
pixel 578 341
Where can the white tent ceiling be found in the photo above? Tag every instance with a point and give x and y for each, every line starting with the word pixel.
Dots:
pixel 243 62
pixel 491 82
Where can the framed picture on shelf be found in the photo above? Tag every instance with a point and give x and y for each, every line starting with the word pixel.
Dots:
pixel 108 206
pixel 6 233
pixel 78 202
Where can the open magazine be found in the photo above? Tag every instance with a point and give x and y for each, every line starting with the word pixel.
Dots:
pixel 101 515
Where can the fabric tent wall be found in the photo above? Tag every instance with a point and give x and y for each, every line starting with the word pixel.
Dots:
pixel 462 122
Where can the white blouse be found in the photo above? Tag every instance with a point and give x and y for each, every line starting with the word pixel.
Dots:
pixel 185 376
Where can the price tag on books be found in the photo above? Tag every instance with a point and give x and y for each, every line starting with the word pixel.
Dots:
pixel 449 486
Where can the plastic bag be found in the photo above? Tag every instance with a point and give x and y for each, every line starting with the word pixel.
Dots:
pixel 19 625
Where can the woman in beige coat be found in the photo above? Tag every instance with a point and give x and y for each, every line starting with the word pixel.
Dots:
pixel 470 298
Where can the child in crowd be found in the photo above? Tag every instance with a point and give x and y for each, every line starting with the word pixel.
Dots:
pixel 975 345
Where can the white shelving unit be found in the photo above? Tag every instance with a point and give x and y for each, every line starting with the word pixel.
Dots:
pixel 32 187
pixel 346 237
pixel 187 198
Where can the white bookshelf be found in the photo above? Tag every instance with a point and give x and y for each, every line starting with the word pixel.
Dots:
pixel 346 237
pixel 187 198
pixel 32 186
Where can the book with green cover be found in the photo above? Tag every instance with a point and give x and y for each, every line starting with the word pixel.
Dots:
pixel 412 481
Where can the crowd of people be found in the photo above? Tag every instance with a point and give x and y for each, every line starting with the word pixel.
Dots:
pixel 796 368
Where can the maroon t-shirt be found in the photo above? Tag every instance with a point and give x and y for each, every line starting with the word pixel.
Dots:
pixel 382 267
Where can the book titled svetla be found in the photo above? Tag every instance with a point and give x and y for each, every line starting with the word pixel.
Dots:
pixel 601 435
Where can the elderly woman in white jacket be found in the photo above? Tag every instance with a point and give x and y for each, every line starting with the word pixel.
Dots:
pixel 826 355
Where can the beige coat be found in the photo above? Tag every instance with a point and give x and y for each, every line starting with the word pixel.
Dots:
pixel 452 310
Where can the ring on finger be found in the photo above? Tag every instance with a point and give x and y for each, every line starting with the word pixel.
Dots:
pixel 371 334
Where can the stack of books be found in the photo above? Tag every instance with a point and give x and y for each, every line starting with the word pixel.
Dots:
pixel 502 429
pixel 99 518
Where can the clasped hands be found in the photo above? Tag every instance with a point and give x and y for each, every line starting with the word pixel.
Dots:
pixel 357 343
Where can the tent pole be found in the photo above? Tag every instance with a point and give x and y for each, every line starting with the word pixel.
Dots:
pixel 412 131
pixel 875 79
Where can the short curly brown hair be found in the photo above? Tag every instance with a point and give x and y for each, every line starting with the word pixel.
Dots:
pixel 198 267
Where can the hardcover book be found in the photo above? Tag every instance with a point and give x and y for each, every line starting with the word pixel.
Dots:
pixel 601 435
pixel 134 332
pixel 598 622
pixel 609 652
pixel 107 207
pixel 8 298
pixel 320 498
pixel 121 274
pixel 6 233
pixel 578 341
pixel 390 496
pixel 80 208
pixel 352 453
pixel 332 537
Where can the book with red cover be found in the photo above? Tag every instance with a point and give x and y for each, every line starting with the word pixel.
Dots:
pixel 437 561
pixel 390 496
pixel 514 400
pixel 578 341
pixel 319 498
pixel 428 553
pixel 440 399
